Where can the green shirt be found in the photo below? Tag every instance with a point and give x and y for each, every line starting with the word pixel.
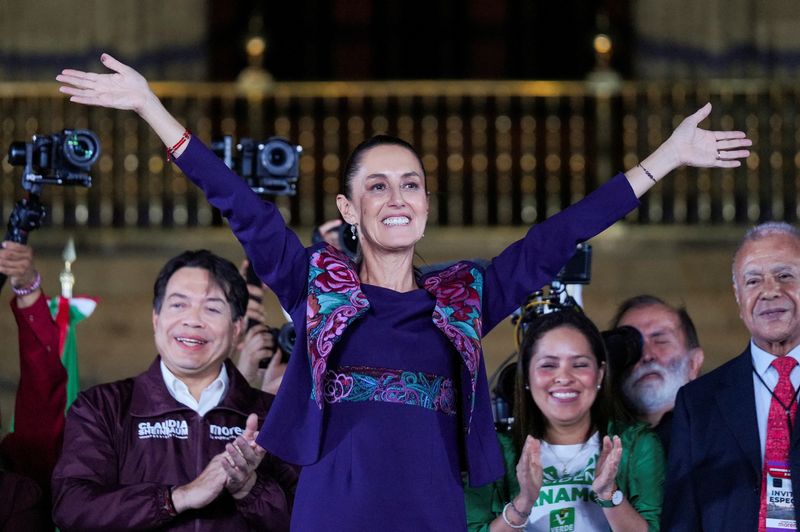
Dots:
pixel 640 477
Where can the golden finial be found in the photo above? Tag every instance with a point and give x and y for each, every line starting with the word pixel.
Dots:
pixel 67 278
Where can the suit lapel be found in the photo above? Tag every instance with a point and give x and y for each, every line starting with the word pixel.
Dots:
pixel 737 404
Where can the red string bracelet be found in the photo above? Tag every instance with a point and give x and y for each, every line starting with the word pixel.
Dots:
pixel 181 141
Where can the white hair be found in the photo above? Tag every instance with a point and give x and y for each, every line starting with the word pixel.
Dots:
pixel 760 231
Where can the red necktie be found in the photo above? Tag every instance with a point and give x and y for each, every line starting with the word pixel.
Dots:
pixel 778 430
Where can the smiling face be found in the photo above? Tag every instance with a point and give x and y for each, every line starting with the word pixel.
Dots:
pixel 387 200
pixel 194 330
pixel 563 376
pixel 767 289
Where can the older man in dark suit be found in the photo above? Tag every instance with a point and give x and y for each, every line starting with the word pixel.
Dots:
pixel 735 448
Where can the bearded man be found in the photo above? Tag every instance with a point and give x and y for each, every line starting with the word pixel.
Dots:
pixel 671 357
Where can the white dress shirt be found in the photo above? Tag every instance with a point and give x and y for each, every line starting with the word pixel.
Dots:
pixel 761 363
pixel 209 397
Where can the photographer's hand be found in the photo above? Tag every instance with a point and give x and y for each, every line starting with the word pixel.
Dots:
pixel 16 262
pixel 273 375
pixel 255 303
pixel 258 343
pixel 329 232
pixel 124 89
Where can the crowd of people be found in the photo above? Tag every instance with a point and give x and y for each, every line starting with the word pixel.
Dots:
pixel 381 419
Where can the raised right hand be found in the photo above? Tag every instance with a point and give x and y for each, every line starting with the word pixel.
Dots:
pixel 124 89
pixel 16 262
pixel 529 474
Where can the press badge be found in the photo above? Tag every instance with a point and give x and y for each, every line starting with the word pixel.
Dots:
pixel 780 500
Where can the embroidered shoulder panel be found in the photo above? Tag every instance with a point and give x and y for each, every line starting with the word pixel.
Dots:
pixel 458 291
pixel 335 299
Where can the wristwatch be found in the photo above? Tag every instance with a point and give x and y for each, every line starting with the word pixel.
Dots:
pixel 615 500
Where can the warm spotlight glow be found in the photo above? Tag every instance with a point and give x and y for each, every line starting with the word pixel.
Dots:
pixel 602 44
pixel 256 46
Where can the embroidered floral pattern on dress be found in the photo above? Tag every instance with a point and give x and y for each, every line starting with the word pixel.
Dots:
pixel 335 299
pixel 354 384
pixel 458 291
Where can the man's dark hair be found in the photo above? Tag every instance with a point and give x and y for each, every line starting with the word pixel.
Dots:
pixel 223 271
pixel 646 300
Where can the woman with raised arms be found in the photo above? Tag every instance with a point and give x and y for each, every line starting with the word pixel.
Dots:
pixel 385 399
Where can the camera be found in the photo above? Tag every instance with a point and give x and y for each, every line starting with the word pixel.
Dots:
pixel 57 159
pixel 271 168
pixel 624 347
pixel 579 268
pixel 285 338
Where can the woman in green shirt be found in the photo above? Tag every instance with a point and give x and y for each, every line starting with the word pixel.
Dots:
pixel 575 462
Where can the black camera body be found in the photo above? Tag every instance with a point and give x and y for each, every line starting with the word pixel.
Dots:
pixel 271 168
pixel 578 270
pixel 624 347
pixel 63 158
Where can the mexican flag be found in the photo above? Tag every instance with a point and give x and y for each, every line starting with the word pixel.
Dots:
pixel 67 313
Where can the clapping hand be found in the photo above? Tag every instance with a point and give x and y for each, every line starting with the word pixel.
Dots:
pixel 605 483
pixel 242 457
pixel 530 474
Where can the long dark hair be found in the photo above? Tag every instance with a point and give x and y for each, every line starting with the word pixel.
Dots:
pixel 529 419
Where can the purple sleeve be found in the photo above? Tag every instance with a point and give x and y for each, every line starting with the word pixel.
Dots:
pixel 85 482
pixel 278 256
pixel 530 263
pixel 268 506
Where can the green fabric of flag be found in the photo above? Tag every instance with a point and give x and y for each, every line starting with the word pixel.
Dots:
pixel 67 313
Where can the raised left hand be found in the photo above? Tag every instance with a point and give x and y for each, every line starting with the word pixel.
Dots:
pixel 693 146
pixel 607 466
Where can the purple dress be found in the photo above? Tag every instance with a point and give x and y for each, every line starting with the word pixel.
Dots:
pixel 385 400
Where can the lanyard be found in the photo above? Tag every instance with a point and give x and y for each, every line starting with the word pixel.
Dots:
pixel 787 409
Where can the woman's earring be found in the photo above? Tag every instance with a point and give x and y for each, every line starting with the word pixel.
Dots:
pixel 528 387
pixel 599 386
pixel 354 231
